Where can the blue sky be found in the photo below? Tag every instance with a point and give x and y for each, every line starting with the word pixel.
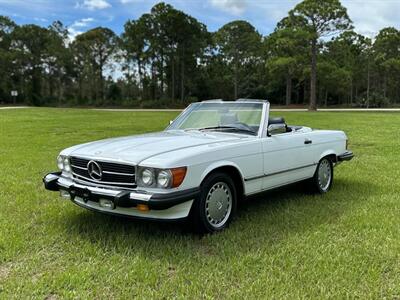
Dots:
pixel 80 15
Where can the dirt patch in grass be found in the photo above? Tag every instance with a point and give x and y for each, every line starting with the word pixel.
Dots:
pixel 5 270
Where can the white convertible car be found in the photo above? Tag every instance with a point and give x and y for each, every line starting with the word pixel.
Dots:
pixel 214 154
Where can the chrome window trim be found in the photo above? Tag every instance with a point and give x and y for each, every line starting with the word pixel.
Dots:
pixel 262 131
pixel 264 117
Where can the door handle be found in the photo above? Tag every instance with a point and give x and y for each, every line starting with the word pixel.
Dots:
pixel 307 141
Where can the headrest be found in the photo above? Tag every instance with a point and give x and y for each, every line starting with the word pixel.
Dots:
pixel 276 120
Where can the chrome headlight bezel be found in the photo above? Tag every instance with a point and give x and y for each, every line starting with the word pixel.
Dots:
pixel 67 165
pixel 146 177
pixel 63 163
pixel 164 179
pixel 60 162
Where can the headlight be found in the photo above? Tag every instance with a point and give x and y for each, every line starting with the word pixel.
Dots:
pixel 161 178
pixel 147 177
pixel 67 166
pixel 63 163
pixel 60 162
pixel 164 179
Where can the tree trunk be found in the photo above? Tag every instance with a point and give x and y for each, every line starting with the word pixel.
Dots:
pixel 182 80
pixel 173 79
pixel 288 89
pixel 351 92
pixel 326 98
pixel 313 84
pixel 140 78
pixel 368 83
pixel 80 93
pixel 101 81
pixel 153 81
pixel 162 74
pixel 59 91
pixel 384 86
pixel 51 84
pixel 235 79
pixel 36 86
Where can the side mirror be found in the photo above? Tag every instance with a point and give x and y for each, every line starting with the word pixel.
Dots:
pixel 276 128
pixel 170 122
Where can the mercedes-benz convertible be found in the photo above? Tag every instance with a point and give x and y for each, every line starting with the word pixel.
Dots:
pixel 213 155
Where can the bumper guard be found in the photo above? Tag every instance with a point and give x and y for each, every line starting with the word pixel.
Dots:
pixel 121 198
pixel 348 155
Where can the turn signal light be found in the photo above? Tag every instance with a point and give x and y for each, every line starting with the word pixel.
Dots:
pixel 142 207
pixel 178 174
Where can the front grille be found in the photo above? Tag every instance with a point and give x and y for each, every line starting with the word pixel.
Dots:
pixel 114 174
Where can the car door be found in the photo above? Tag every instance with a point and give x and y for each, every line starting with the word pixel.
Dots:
pixel 288 157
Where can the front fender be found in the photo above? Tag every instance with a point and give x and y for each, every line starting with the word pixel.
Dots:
pixel 326 153
pixel 219 164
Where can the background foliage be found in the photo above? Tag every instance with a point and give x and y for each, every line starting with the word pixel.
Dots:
pixel 167 58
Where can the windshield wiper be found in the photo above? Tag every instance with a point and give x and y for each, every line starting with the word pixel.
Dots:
pixel 229 128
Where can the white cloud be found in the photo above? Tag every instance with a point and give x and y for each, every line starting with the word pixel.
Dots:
pixel 371 16
pixel 76 27
pixel 82 22
pixel 128 1
pixel 368 16
pixel 72 33
pixel 234 7
pixel 93 4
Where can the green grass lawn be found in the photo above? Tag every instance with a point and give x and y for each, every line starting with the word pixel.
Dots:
pixel 282 244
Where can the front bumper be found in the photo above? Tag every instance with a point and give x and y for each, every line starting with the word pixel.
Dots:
pixel 348 155
pixel 168 206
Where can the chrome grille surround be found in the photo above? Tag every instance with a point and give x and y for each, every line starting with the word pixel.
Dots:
pixel 113 174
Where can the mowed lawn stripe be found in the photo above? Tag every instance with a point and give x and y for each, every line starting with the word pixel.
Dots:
pixel 283 244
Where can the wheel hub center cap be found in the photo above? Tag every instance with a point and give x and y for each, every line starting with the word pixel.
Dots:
pixel 219 205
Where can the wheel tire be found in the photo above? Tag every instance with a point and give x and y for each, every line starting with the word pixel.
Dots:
pixel 215 207
pixel 322 180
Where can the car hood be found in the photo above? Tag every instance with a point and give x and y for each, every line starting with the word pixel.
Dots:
pixel 135 149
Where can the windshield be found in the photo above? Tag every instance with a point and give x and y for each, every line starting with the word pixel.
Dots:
pixel 237 117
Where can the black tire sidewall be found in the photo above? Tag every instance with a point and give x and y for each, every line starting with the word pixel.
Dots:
pixel 198 213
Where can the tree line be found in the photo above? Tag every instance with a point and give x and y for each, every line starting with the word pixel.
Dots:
pixel 167 58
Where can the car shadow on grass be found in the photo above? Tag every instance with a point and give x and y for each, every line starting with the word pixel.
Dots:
pixel 299 196
pixel 265 219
